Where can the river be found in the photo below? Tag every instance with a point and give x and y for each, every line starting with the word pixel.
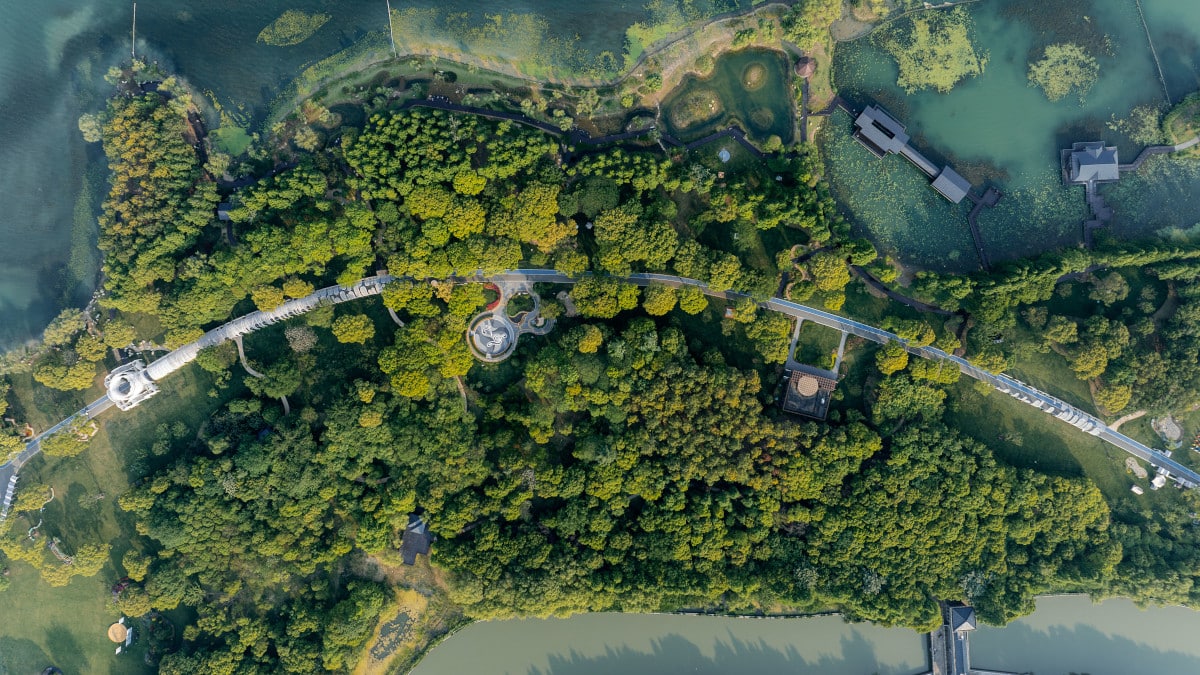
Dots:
pixel 1066 634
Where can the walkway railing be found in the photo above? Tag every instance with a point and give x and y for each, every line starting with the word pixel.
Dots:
pixel 372 286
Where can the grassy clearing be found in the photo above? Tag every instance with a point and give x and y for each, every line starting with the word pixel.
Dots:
pixel 817 345
pixel 420 618
pixel 65 626
pixel 231 140
pixel 1026 437
pixel 1183 123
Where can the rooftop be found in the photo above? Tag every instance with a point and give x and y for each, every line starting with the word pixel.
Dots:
pixel 1092 162
pixel 808 391
pixel 879 131
pixel 416 540
pixel 951 185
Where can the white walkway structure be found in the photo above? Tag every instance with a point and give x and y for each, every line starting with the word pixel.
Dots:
pixel 134 380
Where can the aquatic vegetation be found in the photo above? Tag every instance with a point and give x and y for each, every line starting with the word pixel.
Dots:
pixel 934 50
pixel 1183 122
pixel 292 27
pixel 890 202
pixel 1064 69
pixel 695 107
pixel 1142 126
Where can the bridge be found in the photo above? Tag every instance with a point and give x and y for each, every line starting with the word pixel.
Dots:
pixel 371 286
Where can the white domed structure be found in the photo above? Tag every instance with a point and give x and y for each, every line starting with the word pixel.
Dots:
pixel 129 385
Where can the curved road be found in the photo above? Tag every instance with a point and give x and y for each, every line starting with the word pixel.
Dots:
pixel 371 286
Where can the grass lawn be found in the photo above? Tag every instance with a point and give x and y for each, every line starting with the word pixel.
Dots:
pixel 65 627
pixel 1050 373
pixel 817 345
pixel 1025 437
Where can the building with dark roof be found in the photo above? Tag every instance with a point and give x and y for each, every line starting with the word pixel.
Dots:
pixel 960 619
pixel 880 132
pixel 951 185
pixel 416 540
pixel 883 134
pixel 1091 162
pixel 808 390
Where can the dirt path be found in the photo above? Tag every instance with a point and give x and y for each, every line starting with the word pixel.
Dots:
pixel 1127 418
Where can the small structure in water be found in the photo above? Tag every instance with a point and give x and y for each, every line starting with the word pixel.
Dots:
pixel 1090 162
pixel 949 645
pixel 883 134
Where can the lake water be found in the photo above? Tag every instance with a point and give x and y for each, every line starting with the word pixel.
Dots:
pixel 1065 634
pixel 997 128
pixel 53 56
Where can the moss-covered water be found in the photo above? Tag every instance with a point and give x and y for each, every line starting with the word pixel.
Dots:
pixel 54 53
pixel 997 129
pixel 750 87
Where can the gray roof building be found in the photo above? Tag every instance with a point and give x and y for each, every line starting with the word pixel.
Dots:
pixel 416 540
pixel 951 185
pixel 1092 162
pixel 880 132
pixel 962 617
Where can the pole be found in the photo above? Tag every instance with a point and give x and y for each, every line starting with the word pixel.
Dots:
pixel 133 34
pixel 391 38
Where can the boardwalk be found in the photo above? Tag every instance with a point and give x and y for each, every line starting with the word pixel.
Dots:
pixel 372 286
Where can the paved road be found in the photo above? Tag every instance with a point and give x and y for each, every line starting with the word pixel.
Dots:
pixel 9 469
pixel 371 286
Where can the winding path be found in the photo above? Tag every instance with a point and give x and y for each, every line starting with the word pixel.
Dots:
pixel 371 286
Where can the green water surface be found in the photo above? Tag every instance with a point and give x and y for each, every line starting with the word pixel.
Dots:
pixel 753 89
pixel 996 129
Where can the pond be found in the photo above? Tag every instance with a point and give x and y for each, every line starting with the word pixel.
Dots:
pixel 1065 634
pixel 750 87
pixel 997 129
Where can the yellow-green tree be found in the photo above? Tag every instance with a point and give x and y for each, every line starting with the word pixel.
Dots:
pixel 891 358
pixel 658 299
pixel 354 328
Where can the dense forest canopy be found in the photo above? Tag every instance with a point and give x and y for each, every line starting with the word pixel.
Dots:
pixel 634 457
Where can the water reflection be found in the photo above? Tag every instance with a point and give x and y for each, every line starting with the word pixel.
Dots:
pixel 675 653
pixel 650 644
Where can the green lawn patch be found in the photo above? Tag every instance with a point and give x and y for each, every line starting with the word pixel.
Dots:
pixel 231 140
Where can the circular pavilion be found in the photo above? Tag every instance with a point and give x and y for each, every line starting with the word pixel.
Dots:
pixel 492 337
pixel 117 633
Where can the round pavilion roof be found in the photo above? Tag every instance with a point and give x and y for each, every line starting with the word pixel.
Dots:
pixel 806 385
pixel 117 632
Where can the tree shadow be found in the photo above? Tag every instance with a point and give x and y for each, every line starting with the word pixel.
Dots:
pixel 675 653
pixel 21 656
pixel 1080 649
pixel 68 653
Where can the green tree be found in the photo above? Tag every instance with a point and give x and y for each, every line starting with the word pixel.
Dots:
pixel 658 299
pixel 603 297
pixel 692 300
pixel 353 328
pixel 891 358
pixel 136 565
